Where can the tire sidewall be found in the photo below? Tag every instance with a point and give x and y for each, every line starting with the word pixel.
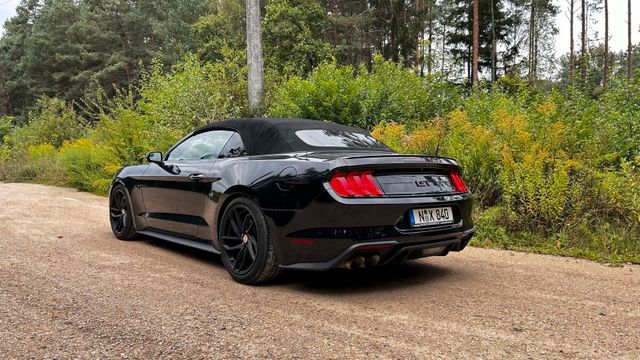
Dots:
pixel 128 232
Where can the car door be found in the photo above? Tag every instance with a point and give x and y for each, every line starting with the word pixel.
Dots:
pixel 233 149
pixel 174 191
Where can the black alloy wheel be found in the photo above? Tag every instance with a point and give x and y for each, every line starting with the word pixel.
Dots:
pixel 240 239
pixel 120 215
pixel 247 248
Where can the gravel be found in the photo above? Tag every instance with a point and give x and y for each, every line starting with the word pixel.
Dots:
pixel 69 289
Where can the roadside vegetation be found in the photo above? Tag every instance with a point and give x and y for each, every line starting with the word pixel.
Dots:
pixel 554 166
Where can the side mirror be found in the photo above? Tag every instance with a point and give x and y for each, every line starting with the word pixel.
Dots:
pixel 155 157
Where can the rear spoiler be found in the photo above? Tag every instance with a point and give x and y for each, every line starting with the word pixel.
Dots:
pixel 395 161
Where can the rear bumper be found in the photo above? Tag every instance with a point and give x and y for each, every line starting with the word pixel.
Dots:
pixel 328 232
pixel 396 252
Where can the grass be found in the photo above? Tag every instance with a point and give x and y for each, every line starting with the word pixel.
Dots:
pixel 598 242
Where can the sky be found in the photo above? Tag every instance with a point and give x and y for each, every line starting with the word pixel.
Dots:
pixel 7 10
pixel 617 24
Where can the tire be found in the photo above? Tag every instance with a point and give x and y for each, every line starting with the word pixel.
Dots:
pixel 120 214
pixel 246 245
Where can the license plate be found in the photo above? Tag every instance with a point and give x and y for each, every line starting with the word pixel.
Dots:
pixel 431 216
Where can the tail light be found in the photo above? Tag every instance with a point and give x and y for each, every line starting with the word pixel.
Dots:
pixel 355 184
pixel 457 181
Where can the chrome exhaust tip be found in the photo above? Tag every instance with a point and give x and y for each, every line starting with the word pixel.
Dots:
pixel 358 262
pixel 373 260
pixel 348 264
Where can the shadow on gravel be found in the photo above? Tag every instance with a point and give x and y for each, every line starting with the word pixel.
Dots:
pixel 185 251
pixel 345 282
pixel 333 282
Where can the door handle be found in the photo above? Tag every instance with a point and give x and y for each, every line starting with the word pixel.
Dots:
pixel 196 177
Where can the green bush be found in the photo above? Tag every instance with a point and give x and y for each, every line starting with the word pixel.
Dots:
pixel 123 132
pixel 88 166
pixel 193 94
pixel 28 153
pixel 5 127
pixel 545 178
pixel 389 93
pixel 52 122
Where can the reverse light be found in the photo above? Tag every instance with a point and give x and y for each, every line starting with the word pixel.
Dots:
pixel 355 184
pixel 457 181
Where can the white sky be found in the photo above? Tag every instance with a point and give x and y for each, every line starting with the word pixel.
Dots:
pixel 7 10
pixel 617 23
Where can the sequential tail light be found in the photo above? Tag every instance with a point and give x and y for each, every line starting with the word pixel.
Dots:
pixel 355 184
pixel 458 183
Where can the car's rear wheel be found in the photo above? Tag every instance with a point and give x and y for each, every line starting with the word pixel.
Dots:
pixel 120 215
pixel 246 244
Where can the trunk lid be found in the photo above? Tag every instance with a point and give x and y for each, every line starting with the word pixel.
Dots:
pixel 403 175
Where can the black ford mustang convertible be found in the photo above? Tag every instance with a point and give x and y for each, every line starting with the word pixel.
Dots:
pixel 273 194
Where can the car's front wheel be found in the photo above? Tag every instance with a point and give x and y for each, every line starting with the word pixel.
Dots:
pixel 246 244
pixel 120 215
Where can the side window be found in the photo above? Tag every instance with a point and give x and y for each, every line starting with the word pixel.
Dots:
pixel 234 147
pixel 203 146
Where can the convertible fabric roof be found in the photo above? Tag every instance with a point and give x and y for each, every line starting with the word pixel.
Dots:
pixel 273 136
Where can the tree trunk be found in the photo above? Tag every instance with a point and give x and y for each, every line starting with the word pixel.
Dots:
pixel 532 42
pixel 254 59
pixel 494 73
pixel 605 75
pixel 476 31
pixel 429 51
pixel 629 54
pixel 583 48
pixel 572 53
pixel 444 46
pixel 419 50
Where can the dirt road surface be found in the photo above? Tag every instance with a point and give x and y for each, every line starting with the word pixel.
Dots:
pixel 69 289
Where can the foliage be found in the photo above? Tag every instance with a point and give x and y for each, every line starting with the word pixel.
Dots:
pixel 222 27
pixel 193 94
pixel 60 145
pixel 70 49
pixel 122 132
pixel 51 122
pixel 389 93
pixel 546 171
pixel 87 165
pixel 6 124
pixel 294 34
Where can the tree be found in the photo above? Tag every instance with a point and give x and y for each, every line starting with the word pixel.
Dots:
pixel 392 28
pixel 294 36
pixel 224 26
pixel 605 75
pixel 254 59
pixel 583 41
pixel 70 48
pixel 497 28
pixel 629 53
pixel 53 53
pixel 476 31
pixel 541 30
pixel 13 57
pixel 572 52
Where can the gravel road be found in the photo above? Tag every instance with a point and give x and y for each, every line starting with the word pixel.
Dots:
pixel 69 289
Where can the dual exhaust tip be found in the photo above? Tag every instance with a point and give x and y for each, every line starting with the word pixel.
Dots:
pixel 360 262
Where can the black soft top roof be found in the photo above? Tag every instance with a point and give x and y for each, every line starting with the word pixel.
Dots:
pixel 273 136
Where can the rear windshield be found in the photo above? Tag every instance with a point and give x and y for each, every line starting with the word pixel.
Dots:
pixel 339 138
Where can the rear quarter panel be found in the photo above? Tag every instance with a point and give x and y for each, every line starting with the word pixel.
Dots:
pixel 278 183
